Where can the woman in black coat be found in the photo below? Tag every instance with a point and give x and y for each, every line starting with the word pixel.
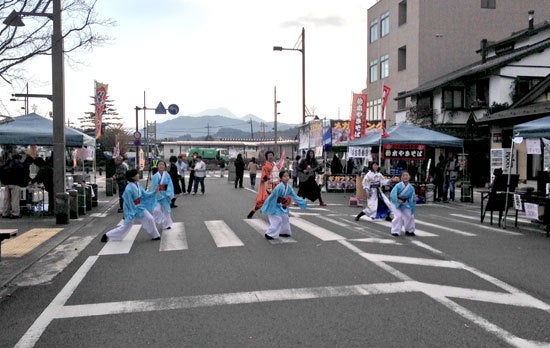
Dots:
pixel 239 171
pixel 173 171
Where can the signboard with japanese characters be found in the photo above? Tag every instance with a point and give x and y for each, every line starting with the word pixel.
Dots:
pixel 340 183
pixel 413 152
pixel 359 152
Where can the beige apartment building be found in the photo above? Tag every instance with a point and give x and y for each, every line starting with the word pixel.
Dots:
pixel 411 42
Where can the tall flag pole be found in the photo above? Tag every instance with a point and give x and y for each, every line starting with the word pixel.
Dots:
pixel 100 96
pixel 358 118
pixel 386 95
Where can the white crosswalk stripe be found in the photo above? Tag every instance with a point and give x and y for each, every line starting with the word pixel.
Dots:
pixel 261 226
pixel 121 247
pixel 174 238
pixel 223 235
pixel 317 231
pixel 420 233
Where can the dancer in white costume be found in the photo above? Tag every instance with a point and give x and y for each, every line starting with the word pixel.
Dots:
pixel 136 205
pixel 378 205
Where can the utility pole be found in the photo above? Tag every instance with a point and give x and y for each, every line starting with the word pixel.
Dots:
pixel 275 113
pixel 251 131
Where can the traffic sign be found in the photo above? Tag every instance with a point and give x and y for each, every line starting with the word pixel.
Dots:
pixel 173 109
pixel 137 142
pixel 160 109
pixel 137 135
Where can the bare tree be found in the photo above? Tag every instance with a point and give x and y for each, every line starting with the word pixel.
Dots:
pixel 18 44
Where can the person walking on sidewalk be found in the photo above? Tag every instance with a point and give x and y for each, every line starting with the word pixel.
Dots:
pixel 200 173
pixel 137 204
pixel 252 170
pixel 276 208
pixel 120 177
pixel 239 171
pixel 403 198
pixel 44 176
pixel 164 188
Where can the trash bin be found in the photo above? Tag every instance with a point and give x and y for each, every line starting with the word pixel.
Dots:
pixel 73 203
pixel 81 200
pixel 62 208
pixel 429 193
pixel 94 196
pixel 467 192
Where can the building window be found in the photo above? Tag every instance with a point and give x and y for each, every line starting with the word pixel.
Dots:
pixel 373 70
pixel 489 4
pixel 477 94
pixel 523 84
pixel 374 111
pixel 402 58
pixel 385 24
pixel 424 106
pixel 384 66
pixel 401 103
pixel 402 12
pixel 374 30
pixel 453 99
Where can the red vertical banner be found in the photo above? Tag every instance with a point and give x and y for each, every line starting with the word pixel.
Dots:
pixel 358 119
pixel 386 95
pixel 100 96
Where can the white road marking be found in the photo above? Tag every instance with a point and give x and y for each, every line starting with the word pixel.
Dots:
pixel 223 235
pixel 99 215
pixel 261 227
pixel 440 227
pixel 174 238
pixel 333 221
pixel 121 246
pixel 479 225
pixel 420 233
pixel 317 231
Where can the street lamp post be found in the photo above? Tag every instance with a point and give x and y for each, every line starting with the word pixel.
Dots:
pixel 302 49
pixel 58 89
pixel 275 113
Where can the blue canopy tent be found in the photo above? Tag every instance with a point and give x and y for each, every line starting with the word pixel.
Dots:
pixel 539 128
pixel 33 129
pixel 404 133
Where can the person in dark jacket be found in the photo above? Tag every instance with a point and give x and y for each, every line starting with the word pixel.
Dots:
pixel 11 176
pixel 45 177
pixel 336 166
pixel 239 171
pixel 173 171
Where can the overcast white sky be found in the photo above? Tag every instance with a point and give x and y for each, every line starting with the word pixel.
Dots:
pixel 203 54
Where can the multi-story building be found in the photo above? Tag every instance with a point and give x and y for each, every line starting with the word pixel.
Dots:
pixel 411 42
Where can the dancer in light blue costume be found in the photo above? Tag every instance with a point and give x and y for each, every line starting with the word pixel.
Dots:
pixel 403 199
pixel 136 205
pixel 276 207
pixel 164 188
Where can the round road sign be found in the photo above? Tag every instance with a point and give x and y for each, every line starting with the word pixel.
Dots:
pixel 173 109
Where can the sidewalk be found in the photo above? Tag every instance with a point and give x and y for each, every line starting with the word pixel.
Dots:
pixel 38 235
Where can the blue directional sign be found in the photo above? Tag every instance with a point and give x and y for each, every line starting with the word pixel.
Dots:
pixel 173 109
pixel 137 142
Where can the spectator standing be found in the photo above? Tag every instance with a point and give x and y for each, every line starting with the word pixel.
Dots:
pixel 173 171
pixel 309 188
pixel 451 174
pixel 439 179
pixel 336 165
pixel 350 166
pixel 252 170
pixel 222 167
pixel 295 170
pixel 10 175
pixel 182 168
pixel 44 176
pixel 239 171
pixel 200 173
pixel 120 177
pixel 192 163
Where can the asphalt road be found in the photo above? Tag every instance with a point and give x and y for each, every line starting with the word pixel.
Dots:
pixel 215 281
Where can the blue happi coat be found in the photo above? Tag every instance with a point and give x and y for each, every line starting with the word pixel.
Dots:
pixel 406 192
pixel 132 192
pixel 163 197
pixel 273 204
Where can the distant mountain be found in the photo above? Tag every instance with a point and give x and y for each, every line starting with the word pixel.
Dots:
pixel 215 112
pixel 221 126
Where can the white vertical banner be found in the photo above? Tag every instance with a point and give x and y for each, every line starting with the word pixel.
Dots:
pixel 533 146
